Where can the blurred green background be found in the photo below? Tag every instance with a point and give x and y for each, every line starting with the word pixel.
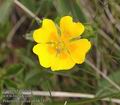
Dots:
pixel 20 69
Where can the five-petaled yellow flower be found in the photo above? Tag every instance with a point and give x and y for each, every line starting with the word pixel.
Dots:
pixel 60 47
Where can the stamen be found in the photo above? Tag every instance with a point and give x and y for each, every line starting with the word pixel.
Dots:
pixel 60 47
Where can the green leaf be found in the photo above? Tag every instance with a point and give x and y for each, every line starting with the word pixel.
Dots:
pixel 89 32
pixel 5 9
pixel 4 30
pixel 34 77
pixel 77 11
pixel 14 69
pixel 105 87
pixel 62 7
pixel 1 88
pixel 115 76
pixel 69 7
pixel 30 4
pixel 10 83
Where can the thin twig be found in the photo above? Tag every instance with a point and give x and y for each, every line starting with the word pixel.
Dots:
pixel 103 34
pixel 102 74
pixel 27 10
pixel 64 94
pixel 98 56
pixel 65 103
pixel 14 29
pixel 113 21
pixel 111 18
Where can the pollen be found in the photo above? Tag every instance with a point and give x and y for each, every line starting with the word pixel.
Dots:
pixel 60 46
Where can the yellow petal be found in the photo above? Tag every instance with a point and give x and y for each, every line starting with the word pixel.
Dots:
pixel 49 25
pixel 46 33
pixel 62 61
pixel 45 56
pixel 69 28
pixel 78 50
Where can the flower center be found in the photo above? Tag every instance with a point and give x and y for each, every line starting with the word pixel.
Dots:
pixel 59 46
pixel 56 47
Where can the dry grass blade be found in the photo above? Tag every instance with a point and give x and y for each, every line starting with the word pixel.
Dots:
pixel 103 75
pixel 27 10
pixel 65 94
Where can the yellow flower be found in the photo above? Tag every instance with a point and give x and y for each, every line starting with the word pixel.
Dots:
pixel 60 48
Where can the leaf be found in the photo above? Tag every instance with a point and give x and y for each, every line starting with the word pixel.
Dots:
pixel 89 32
pixel 105 87
pixel 5 10
pixel 34 77
pixel 30 4
pixel 115 76
pixel 69 7
pixel 62 7
pixel 14 69
pixel 1 88
pixel 10 84
pixel 77 11
pixel 4 30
